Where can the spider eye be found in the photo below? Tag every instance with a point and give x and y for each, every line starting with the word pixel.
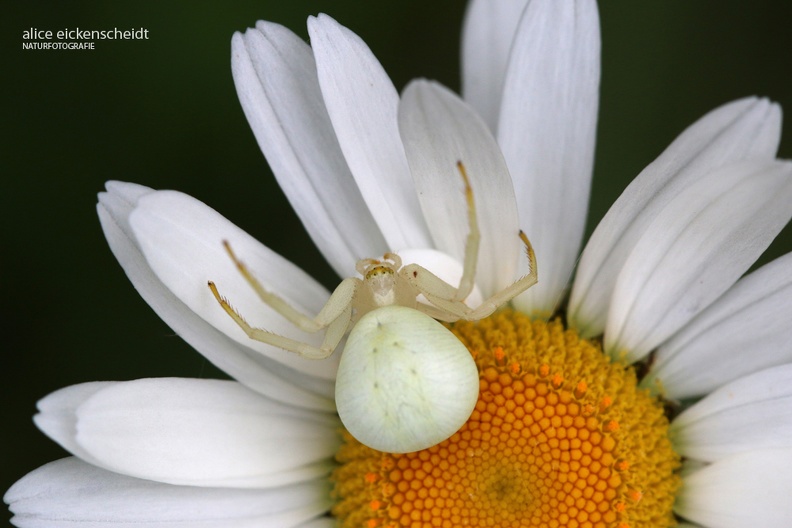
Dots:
pixel 379 271
pixel 405 382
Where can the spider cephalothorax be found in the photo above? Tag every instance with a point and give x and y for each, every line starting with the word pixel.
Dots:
pixel 383 285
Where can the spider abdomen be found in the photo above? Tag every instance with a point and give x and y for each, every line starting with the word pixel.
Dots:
pixel 404 382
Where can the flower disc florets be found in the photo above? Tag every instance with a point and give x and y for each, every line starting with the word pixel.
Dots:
pixel 560 437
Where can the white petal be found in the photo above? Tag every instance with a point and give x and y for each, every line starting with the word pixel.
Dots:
pixel 439 130
pixel 182 240
pixel 255 370
pixel 747 490
pixel 547 132
pixel 363 104
pixel 745 330
pixel 754 412
pixel 275 77
pixel 694 250
pixel 487 37
pixel 742 130
pixel 69 492
pixel 192 432
pixel 57 420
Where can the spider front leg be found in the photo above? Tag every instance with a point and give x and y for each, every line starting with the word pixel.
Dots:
pixel 442 295
pixel 472 243
pixel 343 295
pixel 335 315
pixel 491 304
pixel 335 331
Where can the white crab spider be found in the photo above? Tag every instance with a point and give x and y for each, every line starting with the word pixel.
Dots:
pixel 404 381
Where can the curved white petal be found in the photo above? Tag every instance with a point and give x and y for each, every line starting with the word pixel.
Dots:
pixel 57 420
pixel 275 76
pixel 745 330
pixel 745 490
pixel 747 129
pixel 255 370
pixel 182 240
pixel 547 132
pixel 69 492
pixel 439 130
pixel 192 432
pixel 487 37
pixel 243 363
pixel 363 104
pixel 694 250
pixel 754 412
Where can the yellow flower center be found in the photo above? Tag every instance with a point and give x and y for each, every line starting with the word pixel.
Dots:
pixel 560 437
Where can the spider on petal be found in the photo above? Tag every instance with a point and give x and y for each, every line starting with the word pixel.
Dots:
pixel 404 382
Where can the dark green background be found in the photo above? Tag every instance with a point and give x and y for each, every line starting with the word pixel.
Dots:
pixel 164 113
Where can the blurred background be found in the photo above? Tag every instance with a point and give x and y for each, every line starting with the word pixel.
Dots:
pixel 163 112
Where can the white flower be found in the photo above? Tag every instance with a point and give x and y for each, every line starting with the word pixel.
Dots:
pixel 197 442
pixel 659 275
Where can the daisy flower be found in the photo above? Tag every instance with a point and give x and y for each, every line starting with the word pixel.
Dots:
pixel 652 386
